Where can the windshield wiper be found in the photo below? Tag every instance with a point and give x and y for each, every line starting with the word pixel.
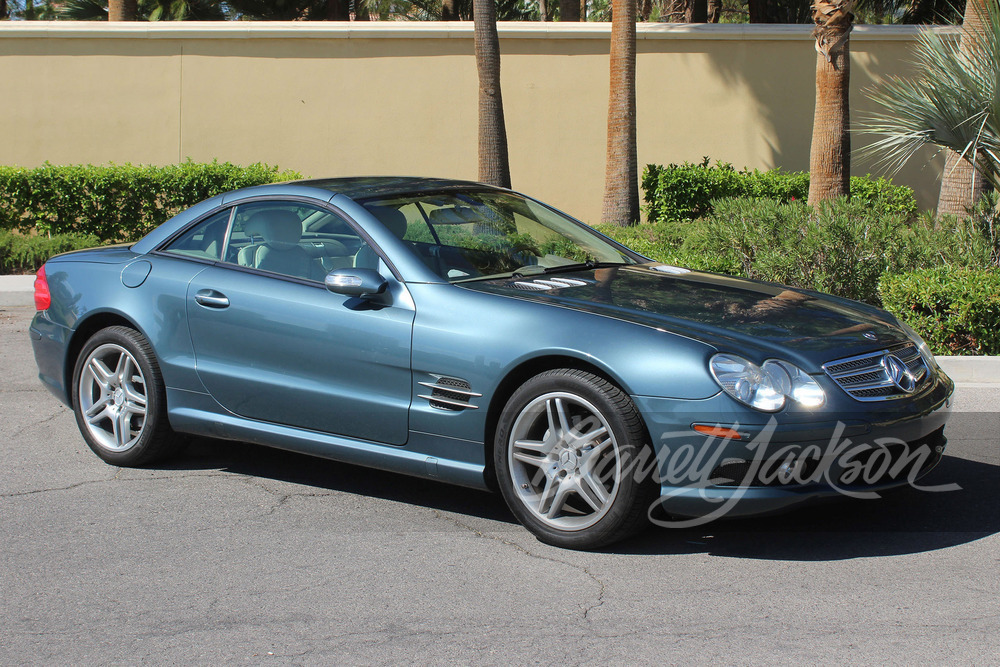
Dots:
pixel 581 266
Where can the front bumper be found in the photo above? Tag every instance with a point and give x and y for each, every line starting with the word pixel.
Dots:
pixel 791 458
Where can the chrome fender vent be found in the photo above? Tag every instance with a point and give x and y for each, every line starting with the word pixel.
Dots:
pixel 449 393
pixel 546 284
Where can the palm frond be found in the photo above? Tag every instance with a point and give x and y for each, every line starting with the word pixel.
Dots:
pixel 954 103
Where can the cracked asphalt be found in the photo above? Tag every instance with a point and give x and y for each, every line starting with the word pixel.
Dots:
pixel 241 554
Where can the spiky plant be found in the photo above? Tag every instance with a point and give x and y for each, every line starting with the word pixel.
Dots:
pixel 952 102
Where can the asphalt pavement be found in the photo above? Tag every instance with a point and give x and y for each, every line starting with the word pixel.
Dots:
pixel 236 553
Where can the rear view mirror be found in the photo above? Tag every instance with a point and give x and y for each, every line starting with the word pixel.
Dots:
pixel 356 282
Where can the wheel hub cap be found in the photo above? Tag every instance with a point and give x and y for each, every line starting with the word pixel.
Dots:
pixel 568 460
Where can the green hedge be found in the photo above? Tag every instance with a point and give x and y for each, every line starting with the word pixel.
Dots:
pixel 686 192
pixel 955 309
pixel 25 254
pixel 116 202
pixel 844 247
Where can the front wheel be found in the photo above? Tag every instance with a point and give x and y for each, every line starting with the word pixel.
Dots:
pixel 572 460
pixel 119 399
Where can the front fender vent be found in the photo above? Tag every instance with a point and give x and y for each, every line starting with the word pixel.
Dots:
pixel 449 393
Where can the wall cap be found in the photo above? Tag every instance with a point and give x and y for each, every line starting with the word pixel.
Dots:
pixel 433 30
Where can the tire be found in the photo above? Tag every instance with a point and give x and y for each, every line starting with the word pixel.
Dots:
pixel 568 455
pixel 119 399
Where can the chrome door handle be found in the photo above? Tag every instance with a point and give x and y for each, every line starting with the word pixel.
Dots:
pixel 211 299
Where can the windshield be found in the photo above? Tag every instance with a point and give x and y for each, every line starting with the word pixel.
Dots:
pixel 482 235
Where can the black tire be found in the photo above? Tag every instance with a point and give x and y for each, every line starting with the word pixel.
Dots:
pixel 122 414
pixel 549 475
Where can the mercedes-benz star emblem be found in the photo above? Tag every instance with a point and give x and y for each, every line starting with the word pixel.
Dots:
pixel 900 375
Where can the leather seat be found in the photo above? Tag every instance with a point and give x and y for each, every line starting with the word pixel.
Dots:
pixel 394 220
pixel 279 251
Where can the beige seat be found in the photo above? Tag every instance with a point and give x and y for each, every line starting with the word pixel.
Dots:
pixel 394 220
pixel 279 250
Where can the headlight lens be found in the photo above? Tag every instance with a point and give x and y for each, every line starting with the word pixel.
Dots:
pixel 922 347
pixel 768 386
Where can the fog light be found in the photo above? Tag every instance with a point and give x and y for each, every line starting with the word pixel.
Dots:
pixel 789 470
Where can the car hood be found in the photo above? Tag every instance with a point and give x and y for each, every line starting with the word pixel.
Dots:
pixel 731 314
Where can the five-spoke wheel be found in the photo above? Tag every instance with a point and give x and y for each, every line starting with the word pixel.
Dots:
pixel 568 456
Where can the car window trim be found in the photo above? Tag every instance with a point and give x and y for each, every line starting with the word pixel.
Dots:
pixel 333 208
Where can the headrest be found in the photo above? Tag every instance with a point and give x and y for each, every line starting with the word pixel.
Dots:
pixel 280 229
pixel 393 219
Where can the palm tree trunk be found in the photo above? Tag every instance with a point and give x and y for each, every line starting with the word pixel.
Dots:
pixel 336 10
pixel 543 10
pixel 123 10
pixel 448 11
pixel 714 11
pixel 830 155
pixel 961 184
pixel 4 13
pixel 696 11
pixel 621 178
pixel 494 166
pixel 569 10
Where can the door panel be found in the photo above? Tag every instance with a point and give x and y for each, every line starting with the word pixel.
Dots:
pixel 296 354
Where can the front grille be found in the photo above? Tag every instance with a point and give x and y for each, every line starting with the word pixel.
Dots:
pixel 867 377
pixel 449 393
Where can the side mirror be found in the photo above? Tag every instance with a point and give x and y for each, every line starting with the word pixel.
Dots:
pixel 356 282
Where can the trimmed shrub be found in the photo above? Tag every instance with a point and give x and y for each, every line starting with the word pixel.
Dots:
pixel 25 254
pixel 685 192
pixel 955 309
pixel 842 248
pixel 674 242
pixel 116 202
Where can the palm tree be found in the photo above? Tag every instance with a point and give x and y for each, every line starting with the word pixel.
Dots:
pixel 951 104
pixel 830 153
pixel 494 165
pixel 621 176
pixel 123 10
pixel 569 10
pixel 961 184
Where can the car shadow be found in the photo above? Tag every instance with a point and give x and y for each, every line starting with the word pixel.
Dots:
pixel 902 521
pixel 268 463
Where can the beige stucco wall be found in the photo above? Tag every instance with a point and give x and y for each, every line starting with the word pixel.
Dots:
pixel 401 98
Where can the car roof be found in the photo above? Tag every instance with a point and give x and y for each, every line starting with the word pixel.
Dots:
pixel 368 187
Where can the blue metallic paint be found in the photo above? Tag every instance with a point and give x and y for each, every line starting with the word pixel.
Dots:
pixel 479 332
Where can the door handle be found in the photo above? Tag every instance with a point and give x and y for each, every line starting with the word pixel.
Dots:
pixel 211 299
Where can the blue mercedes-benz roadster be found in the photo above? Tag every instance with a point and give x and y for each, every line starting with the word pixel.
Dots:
pixel 469 334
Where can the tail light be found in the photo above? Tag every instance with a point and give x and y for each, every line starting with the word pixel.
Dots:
pixel 43 298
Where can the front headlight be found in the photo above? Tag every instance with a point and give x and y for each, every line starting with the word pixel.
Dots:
pixel 768 386
pixel 922 347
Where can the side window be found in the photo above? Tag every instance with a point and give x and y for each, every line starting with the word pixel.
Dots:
pixel 204 240
pixel 294 239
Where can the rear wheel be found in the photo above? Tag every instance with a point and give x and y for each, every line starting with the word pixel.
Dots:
pixel 569 455
pixel 119 399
